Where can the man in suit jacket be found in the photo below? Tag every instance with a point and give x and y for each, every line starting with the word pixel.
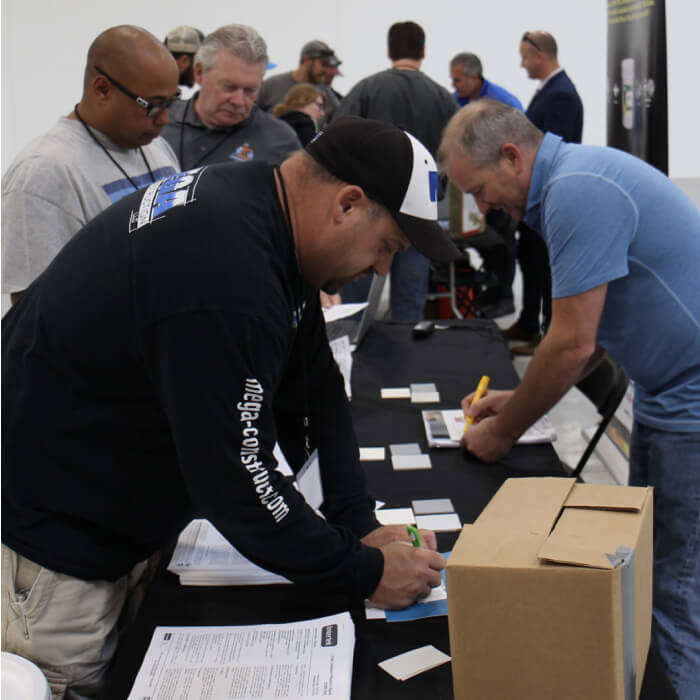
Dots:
pixel 556 107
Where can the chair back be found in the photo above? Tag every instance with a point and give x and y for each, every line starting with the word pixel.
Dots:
pixel 604 387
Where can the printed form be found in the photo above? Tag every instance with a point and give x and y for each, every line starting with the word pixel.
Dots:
pixel 307 659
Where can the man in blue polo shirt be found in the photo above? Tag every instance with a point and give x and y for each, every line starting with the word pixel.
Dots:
pixel 469 83
pixel 624 245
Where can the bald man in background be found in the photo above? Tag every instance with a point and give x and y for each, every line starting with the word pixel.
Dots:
pixel 108 146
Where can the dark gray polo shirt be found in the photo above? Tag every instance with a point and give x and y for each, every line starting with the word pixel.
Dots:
pixel 261 137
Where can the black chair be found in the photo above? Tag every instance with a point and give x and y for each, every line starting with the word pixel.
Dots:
pixel 604 387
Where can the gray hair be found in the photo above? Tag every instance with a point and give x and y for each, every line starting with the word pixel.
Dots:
pixel 470 63
pixel 240 39
pixel 480 129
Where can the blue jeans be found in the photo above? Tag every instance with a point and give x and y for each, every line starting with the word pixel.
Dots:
pixel 410 276
pixel 670 462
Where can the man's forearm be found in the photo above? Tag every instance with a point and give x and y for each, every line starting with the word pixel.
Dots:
pixel 554 369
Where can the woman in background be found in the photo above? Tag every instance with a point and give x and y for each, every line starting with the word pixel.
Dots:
pixel 303 109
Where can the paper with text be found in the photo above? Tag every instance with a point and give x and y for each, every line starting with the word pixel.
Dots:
pixel 308 659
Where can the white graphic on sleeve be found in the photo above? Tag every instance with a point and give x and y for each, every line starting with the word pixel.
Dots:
pixel 249 409
pixel 175 191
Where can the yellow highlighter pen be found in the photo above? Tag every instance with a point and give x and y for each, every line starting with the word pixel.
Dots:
pixel 480 391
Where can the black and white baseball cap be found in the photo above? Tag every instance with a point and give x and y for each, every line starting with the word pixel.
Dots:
pixel 393 168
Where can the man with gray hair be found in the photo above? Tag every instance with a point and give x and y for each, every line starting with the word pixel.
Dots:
pixel 221 121
pixel 469 83
pixel 623 244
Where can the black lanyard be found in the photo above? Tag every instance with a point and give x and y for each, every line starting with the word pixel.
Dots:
pixel 298 293
pixel 109 155
pixel 182 140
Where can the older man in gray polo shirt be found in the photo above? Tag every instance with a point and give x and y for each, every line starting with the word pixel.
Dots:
pixel 221 121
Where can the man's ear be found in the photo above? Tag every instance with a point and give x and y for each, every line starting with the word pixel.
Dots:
pixel 101 87
pixel 198 72
pixel 511 156
pixel 183 62
pixel 347 198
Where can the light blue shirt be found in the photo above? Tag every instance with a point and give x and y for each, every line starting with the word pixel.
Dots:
pixel 608 217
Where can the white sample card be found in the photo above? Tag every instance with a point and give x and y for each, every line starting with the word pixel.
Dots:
pixel 441 522
pixel 413 662
pixel 402 462
pixel 396 393
pixel 424 506
pixel 372 454
pixel 395 516
pixel 307 659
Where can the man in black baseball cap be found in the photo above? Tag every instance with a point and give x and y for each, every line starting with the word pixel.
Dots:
pixel 395 170
pixel 148 372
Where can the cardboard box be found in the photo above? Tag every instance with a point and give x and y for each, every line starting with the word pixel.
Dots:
pixel 543 599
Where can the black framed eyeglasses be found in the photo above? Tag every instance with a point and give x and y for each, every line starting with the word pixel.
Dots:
pixel 530 40
pixel 152 110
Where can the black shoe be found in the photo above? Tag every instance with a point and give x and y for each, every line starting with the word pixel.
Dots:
pixel 502 308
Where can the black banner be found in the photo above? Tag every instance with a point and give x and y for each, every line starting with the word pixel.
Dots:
pixel 636 93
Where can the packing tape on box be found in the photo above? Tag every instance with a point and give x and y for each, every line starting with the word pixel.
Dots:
pixel 624 560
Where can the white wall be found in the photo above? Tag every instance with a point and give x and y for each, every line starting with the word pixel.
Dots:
pixel 44 43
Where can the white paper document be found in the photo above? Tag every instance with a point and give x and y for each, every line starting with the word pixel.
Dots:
pixel 444 428
pixel 308 659
pixel 342 354
pixel 204 557
pixel 338 311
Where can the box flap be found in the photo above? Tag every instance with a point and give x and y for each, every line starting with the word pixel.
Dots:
pixel 606 497
pixel 514 525
pixel 530 504
pixel 561 550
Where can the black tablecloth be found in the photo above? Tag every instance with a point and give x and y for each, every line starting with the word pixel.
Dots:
pixel 454 359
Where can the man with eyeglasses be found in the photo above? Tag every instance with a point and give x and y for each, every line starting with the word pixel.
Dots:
pixel 108 146
pixel 221 122
pixel 318 65
pixel 556 108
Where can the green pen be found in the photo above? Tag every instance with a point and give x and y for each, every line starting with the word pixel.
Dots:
pixel 414 535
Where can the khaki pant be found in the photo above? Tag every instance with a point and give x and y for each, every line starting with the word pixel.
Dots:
pixel 66 626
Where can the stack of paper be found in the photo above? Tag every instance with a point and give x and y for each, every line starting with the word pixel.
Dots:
pixel 204 557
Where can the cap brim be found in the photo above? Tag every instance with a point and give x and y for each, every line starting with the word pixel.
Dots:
pixel 429 238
